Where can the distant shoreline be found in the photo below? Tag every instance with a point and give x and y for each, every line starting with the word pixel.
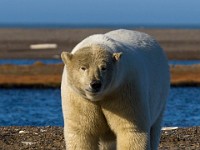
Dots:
pixel 98 25
pixel 15 43
pixel 41 75
pixel 179 44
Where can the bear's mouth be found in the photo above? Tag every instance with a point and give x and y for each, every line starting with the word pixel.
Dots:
pixel 93 91
pixel 93 95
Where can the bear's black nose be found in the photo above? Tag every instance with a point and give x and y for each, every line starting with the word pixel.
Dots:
pixel 96 85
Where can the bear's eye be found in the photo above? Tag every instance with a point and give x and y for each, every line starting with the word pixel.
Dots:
pixel 83 68
pixel 103 67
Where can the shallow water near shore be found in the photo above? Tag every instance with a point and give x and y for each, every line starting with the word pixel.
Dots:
pixel 42 107
pixel 28 61
pixel 30 107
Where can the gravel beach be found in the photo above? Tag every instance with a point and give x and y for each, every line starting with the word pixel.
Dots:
pixel 51 138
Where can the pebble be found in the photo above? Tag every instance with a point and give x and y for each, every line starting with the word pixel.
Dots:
pixel 41 130
pixel 23 132
pixel 28 143
pixel 169 128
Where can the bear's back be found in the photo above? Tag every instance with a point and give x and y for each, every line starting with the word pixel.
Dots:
pixel 120 38
pixel 128 37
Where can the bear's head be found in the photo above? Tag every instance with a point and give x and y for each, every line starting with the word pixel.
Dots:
pixel 90 71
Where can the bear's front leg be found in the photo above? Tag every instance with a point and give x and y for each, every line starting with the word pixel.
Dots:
pixel 77 140
pixel 131 129
pixel 130 140
pixel 83 124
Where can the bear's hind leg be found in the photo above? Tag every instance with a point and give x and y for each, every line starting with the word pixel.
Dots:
pixel 155 133
pixel 133 141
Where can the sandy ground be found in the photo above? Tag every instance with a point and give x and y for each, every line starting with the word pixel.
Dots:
pixel 15 43
pixel 51 138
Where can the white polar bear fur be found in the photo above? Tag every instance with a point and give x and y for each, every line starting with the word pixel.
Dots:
pixel 134 114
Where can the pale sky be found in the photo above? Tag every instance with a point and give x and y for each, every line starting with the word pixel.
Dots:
pixel 103 12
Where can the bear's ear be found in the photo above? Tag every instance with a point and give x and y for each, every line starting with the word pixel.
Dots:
pixel 117 56
pixel 66 57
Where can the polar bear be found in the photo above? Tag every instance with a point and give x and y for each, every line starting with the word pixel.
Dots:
pixel 114 90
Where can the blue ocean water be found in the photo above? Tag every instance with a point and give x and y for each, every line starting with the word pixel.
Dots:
pixel 183 107
pixel 28 61
pixel 42 107
pixel 184 62
pixel 33 107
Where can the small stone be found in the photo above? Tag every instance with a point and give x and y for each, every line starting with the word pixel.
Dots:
pixel 23 132
pixel 169 128
pixel 28 143
pixel 41 130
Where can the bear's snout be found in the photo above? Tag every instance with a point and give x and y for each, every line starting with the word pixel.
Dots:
pixel 95 85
